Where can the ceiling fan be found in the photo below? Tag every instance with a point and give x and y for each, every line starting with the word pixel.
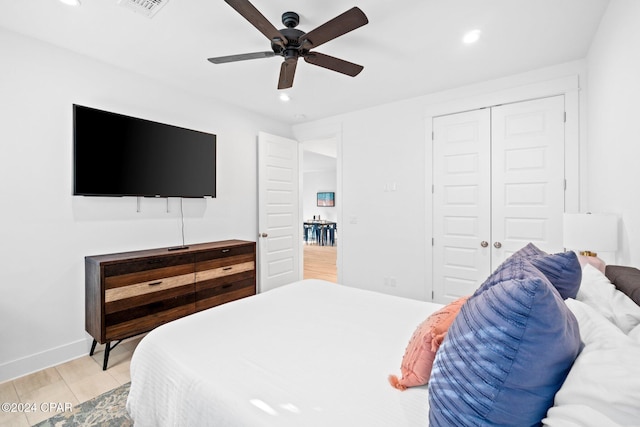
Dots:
pixel 291 43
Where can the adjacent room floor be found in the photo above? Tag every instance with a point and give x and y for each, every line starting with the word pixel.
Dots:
pixel 320 262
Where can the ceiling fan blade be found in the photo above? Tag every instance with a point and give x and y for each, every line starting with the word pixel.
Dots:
pixel 341 24
pixel 332 63
pixel 241 57
pixel 257 19
pixel 287 72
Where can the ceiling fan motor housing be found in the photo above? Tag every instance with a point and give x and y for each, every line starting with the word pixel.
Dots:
pixel 292 47
pixel 290 19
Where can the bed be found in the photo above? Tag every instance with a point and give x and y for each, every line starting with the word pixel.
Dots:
pixel 308 353
pixel 314 353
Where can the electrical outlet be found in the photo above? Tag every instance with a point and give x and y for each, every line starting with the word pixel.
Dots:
pixel 389 187
pixel 390 282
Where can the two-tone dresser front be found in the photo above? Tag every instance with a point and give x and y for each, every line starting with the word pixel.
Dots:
pixel 130 293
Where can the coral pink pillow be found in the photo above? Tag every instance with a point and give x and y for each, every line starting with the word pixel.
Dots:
pixel 421 351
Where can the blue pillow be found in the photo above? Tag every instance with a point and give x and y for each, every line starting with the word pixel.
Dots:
pixel 509 269
pixel 528 251
pixel 563 271
pixel 506 354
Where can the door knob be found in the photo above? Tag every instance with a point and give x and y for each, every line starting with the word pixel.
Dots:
pixel 264 235
pixel 484 244
pixel 497 245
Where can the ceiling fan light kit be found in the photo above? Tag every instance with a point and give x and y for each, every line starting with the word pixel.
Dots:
pixel 471 37
pixel 291 43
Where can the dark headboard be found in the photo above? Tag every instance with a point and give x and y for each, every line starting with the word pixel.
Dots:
pixel 625 279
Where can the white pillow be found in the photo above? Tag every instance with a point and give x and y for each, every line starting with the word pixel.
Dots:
pixel 603 386
pixel 599 293
pixel 577 416
pixel 635 334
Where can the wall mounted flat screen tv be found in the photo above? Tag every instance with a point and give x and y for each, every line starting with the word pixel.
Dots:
pixel 118 155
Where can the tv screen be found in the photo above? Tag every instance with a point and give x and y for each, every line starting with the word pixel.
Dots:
pixel 118 155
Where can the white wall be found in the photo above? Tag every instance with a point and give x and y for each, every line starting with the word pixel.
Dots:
pixel 46 232
pixel 613 123
pixel 313 182
pixel 319 174
pixel 385 167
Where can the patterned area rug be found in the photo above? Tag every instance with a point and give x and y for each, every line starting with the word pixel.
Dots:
pixel 106 410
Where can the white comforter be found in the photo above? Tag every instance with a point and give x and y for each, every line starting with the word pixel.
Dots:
pixel 307 354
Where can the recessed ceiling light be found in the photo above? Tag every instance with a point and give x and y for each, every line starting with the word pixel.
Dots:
pixel 284 97
pixel 471 37
pixel 71 2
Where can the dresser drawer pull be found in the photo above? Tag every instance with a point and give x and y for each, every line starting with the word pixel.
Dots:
pixel 224 251
pixel 227 286
pixel 155 283
pixel 227 268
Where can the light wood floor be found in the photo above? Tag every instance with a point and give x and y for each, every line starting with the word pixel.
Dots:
pixel 83 379
pixel 320 262
pixel 70 383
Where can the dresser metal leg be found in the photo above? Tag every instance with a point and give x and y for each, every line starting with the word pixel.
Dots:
pixel 107 349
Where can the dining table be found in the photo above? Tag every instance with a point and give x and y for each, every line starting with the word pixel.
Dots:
pixel 320 232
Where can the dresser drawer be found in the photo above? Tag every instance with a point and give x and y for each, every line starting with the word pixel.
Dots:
pixel 147 270
pixel 225 269
pixel 224 256
pixel 135 320
pixel 135 294
pixel 215 292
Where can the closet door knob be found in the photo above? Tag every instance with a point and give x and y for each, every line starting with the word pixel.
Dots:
pixel 497 245
pixel 484 244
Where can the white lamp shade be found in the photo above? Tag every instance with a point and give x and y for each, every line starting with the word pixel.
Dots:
pixel 590 232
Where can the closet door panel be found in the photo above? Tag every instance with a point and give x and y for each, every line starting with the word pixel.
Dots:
pixel 461 203
pixel 527 176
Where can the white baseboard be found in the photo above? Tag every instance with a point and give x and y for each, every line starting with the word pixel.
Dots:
pixel 36 362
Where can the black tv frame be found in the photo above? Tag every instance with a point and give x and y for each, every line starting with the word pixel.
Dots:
pixel 116 155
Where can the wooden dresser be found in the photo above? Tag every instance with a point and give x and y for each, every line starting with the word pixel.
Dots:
pixel 130 293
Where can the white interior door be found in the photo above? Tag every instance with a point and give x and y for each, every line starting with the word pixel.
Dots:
pixel 527 140
pixel 461 203
pixel 278 211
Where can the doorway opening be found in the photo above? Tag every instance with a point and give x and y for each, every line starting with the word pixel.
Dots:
pixel 319 212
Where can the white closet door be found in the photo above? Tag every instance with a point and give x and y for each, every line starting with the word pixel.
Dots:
pixel 498 177
pixel 527 176
pixel 461 203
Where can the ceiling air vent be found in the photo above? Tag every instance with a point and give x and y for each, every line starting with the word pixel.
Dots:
pixel 147 8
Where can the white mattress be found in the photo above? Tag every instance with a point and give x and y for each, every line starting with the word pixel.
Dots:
pixel 311 353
